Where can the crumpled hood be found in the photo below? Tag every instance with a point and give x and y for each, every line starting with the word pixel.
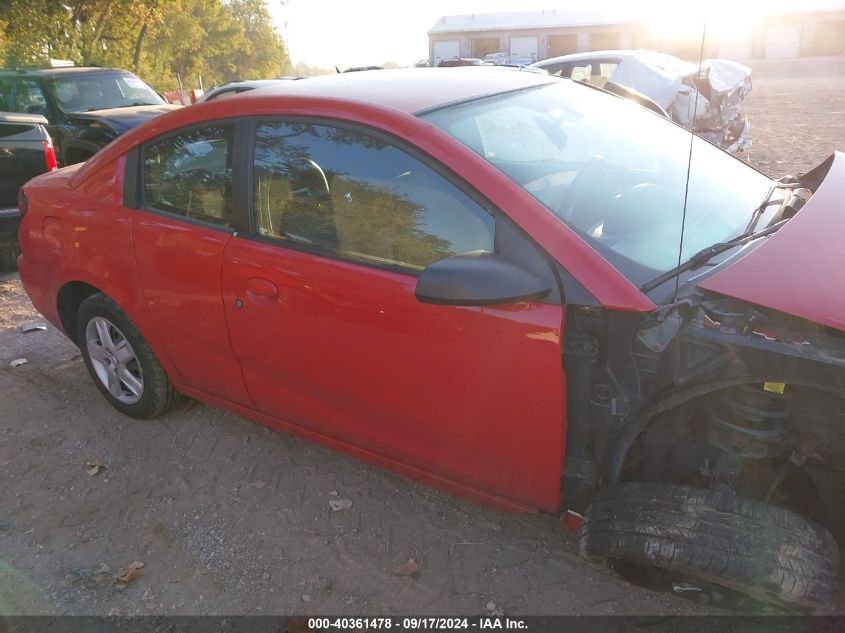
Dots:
pixel 123 119
pixel 800 270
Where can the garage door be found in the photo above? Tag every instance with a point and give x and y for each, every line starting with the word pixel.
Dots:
pixel 446 50
pixel 783 40
pixel 524 50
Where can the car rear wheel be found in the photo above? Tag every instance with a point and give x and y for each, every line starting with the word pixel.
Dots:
pixel 121 362
pixel 714 537
pixel 9 257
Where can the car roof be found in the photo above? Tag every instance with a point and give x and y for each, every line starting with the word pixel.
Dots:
pixel 65 70
pixel 411 90
pixel 248 83
pixel 577 57
pixel 240 87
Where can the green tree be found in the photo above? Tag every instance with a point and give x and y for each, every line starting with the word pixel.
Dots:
pixel 218 40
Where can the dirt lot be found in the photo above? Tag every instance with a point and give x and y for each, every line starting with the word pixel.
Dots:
pixel 229 517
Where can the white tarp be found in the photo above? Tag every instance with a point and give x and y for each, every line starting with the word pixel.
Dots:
pixel 656 75
pixel 714 96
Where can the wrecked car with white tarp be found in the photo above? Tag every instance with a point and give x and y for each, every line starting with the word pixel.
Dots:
pixel 711 97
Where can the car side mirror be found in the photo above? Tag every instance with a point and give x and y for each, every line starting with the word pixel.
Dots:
pixel 479 278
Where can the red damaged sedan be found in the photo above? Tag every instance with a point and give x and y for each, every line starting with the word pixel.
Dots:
pixel 510 286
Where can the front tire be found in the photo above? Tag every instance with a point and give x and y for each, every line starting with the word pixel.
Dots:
pixel 120 360
pixel 761 550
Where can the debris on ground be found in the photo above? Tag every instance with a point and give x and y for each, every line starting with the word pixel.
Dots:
pixel 340 504
pixel 408 568
pixel 495 610
pixel 94 468
pixel 33 326
pixel 148 595
pixel 572 521
pixel 18 362
pixel 129 573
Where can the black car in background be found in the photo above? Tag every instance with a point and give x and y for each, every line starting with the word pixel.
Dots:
pixel 25 152
pixel 85 107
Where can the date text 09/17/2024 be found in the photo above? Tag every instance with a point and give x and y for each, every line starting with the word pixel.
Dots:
pixel 417 623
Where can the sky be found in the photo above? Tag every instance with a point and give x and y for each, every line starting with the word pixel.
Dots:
pixel 347 33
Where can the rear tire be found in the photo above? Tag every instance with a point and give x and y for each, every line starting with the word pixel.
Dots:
pixel 120 361
pixel 751 547
pixel 9 257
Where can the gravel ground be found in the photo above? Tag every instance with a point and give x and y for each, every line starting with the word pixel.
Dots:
pixel 228 517
pixel 795 124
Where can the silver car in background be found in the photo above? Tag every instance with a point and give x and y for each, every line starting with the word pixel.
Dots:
pixel 708 100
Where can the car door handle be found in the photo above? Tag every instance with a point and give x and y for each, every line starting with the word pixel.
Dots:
pixel 261 288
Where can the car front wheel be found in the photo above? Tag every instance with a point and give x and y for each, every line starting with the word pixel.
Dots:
pixel 712 536
pixel 121 362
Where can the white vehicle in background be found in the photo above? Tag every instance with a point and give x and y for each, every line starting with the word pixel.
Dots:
pixel 497 59
pixel 712 97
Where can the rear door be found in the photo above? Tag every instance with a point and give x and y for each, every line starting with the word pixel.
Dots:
pixel 180 231
pixel 323 317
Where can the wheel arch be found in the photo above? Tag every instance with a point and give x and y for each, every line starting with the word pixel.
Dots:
pixel 642 420
pixel 75 289
pixel 69 298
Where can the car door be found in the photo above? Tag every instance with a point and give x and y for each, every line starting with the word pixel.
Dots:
pixel 180 231
pixel 323 317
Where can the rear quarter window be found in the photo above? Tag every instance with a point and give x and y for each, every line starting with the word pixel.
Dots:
pixel 22 131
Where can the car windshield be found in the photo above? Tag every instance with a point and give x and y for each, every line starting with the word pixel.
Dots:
pixel 613 171
pixel 101 91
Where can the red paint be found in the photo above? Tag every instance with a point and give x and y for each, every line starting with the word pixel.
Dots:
pixel 179 269
pixel 606 283
pixel 800 269
pixel 472 395
pixel 50 156
pixel 572 521
pixel 469 399
pixel 369 457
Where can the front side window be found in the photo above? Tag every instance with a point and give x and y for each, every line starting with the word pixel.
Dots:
pixel 347 193
pixel 190 174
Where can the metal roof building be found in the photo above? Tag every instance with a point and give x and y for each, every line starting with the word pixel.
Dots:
pixel 528 36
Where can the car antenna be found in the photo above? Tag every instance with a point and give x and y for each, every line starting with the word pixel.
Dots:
pixel 689 158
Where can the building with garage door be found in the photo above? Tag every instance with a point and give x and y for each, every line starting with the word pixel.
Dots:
pixel 529 36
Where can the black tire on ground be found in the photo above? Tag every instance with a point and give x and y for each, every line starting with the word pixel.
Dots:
pixel 9 257
pixel 764 551
pixel 158 394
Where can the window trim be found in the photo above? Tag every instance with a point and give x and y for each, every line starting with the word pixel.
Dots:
pixel 438 168
pixel 139 199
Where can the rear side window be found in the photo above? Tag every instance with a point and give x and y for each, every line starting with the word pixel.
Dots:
pixel 9 130
pixel 348 193
pixel 190 174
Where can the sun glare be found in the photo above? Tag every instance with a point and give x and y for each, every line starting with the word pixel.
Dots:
pixel 724 21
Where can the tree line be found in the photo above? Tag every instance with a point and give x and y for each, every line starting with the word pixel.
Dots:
pixel 159 40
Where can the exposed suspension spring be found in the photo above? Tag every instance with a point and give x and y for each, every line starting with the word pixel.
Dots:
pixel 747 422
